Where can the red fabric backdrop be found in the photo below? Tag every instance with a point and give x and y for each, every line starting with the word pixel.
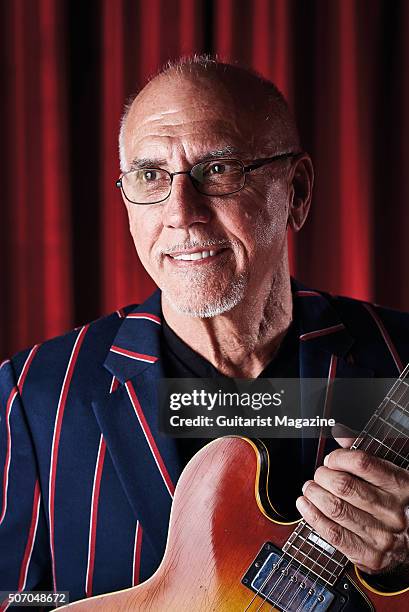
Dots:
pixel 65 252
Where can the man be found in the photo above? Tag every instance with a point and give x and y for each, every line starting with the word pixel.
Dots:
pixel 213 177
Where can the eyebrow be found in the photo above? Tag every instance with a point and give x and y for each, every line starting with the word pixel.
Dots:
pixel 221 152
pixel 147 162
pixel 155 162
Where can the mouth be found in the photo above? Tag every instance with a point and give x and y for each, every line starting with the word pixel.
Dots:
pixel 195 256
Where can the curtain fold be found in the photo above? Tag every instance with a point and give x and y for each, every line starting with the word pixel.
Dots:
pixel 65 251
pixel 35 229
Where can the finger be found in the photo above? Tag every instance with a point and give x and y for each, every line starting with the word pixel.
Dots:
pixel 359 522
pixel 362 495
pixel 348 543
pixel 374 470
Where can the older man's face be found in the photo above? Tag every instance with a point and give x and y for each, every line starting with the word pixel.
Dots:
pixel 177 124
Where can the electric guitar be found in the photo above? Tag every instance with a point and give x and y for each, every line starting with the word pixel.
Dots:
pixel 229 550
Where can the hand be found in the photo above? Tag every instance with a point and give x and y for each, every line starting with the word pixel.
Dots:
pixel 360 504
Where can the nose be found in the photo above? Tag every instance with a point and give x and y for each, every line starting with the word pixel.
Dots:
pixel 185 206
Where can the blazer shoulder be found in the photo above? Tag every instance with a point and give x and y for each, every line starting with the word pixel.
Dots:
pixel 352 309
pixel 376 326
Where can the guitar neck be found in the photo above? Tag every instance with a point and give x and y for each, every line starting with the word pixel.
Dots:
pixel 386 435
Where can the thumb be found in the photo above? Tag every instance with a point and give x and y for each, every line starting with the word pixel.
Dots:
pixel 344 435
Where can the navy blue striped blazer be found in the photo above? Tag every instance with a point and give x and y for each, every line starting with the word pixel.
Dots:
pixel 86 479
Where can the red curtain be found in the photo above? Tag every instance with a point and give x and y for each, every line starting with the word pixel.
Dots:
pixel 65 253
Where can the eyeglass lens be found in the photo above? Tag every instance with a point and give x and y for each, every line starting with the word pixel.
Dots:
pixel 216 177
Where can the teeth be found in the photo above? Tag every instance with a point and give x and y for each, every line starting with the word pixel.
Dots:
pixel 194 256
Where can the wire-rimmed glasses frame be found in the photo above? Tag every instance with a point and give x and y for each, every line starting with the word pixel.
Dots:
pixel 244 171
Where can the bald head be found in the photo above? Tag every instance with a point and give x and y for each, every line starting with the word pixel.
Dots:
pixel 253 101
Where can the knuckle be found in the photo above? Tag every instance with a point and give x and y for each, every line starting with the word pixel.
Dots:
pixel 363 461
pixel 335 535
pixel 387 541
pixel 401 518
pixel 344 485
pixel 313 515
pixel 376 563
pixel 338 509
pixel 400 479
pixel 382 541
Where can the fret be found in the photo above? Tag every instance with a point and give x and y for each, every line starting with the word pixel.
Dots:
pixel 313 553
pixel 326 574
pixel 402 408
pixel 392 436
pixel 397 393
pixel 401 386
pixel 373 446
pixel 383 445
pixel 322 551
pixel 401 419
pixel 401 433
pixel 305 531
pixel 329 576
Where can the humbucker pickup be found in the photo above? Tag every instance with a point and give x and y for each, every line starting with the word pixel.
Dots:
pixel 281 581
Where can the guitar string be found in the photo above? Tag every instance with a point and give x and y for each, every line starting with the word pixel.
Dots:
pixel 305 556
pixel 292 558
pixel 268 578
pixel 379 440
pixel 397 384
pixel 313 586
pixel 401 449
pixel 374 439
pixel 389 447
pixel 299 572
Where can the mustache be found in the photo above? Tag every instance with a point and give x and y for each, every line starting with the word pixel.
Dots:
pixel 193 244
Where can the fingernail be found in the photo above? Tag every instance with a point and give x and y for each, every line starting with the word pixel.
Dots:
pixel 305 485
pixel 326 460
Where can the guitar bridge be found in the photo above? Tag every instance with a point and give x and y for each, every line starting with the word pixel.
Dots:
pixel 279 580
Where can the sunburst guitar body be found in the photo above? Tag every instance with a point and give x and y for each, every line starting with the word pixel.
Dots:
pixel 225 549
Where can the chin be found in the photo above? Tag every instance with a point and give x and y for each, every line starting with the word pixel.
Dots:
pixel 206 303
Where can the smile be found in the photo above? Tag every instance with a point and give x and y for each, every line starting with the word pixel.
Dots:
pixel 195 255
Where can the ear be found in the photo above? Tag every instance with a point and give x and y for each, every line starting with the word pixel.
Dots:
pixel 301 183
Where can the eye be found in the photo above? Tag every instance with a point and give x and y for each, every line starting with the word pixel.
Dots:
pixel 149 176
pixel 217 169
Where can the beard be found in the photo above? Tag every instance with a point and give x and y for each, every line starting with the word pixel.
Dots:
pixel 204 299
pixel 204 294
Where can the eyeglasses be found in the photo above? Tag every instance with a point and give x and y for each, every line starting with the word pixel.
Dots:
pixel 215 177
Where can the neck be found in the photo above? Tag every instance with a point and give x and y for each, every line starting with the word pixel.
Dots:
pixel 242 341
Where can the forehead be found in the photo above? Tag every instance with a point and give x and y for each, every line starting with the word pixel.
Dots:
pixel 176 117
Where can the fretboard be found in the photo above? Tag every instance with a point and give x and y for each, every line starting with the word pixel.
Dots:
pixel 386 435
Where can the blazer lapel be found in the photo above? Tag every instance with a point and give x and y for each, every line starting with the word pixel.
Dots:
pixel 147 463
pixel 325 345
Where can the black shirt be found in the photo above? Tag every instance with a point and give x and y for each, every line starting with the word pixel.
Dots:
pixel 180 361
